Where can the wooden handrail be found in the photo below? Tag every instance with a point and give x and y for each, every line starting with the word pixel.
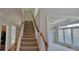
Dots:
pixel 45 42
pixel 41 34
pixel 20 36
pixel 35 23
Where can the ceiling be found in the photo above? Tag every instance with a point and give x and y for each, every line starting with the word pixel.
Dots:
pixel 28 12
pixel 17 15
pixel 58 14
pixel 14 15
pixel 61 11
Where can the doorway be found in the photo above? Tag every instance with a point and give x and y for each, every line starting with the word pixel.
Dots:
pixel 3 37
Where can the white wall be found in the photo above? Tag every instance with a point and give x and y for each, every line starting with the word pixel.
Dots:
pixel 38 37
pixel 43 23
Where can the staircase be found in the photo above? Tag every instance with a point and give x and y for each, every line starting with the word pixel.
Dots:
pixel 28 41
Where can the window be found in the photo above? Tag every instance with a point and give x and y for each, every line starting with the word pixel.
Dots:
pixel 69 35
pixel 76 37
pixel 61 36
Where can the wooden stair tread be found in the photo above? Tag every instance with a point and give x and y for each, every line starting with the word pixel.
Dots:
pixel 28 38
pixel 27 47
pixel 36 48
pixel 28 41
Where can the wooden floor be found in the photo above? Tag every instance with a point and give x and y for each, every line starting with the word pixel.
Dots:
pixel 13 47
pixel 2 47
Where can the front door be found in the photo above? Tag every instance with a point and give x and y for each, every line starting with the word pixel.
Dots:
pixel 3 37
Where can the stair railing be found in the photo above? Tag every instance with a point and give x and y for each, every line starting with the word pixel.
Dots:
pixel 41 34
pixel 20 37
